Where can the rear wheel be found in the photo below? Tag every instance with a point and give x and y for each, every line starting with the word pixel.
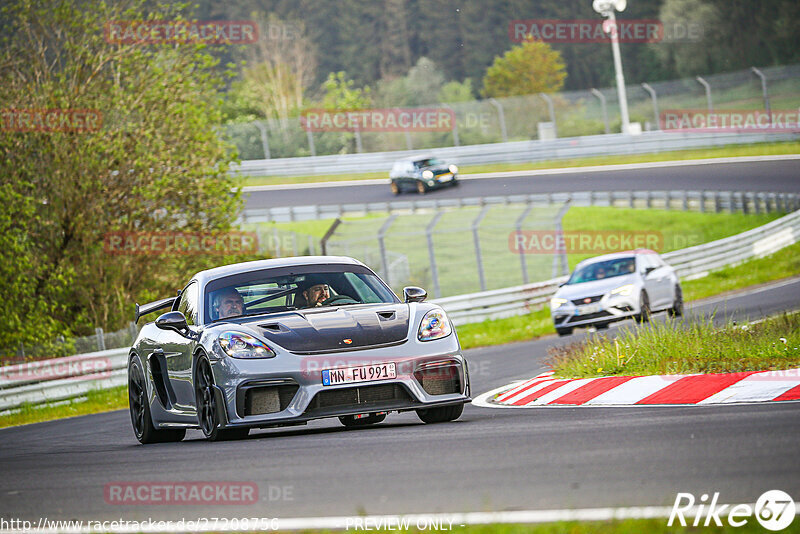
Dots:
pixel 395 188
pixel 350 421
pixel 440 415
pixel 209 412
pixel 139 406
pixel 421 188
pixel 564 331
pixel 677 306
pixel 644 309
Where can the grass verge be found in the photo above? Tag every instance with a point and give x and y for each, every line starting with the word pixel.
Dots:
pixel 93 402
pixel 665 348
pixel 759 149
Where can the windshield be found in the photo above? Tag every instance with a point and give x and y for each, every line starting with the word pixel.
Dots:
pixel 275 290
pixel 603 270
pixel 430 162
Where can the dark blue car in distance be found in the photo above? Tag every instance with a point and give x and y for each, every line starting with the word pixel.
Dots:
pixel 421 174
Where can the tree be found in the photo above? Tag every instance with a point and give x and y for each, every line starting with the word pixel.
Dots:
pixel 280 67
pixel 342 94
pixel 700 54
pixel 532 67
pixel 152 163
pixel 456 92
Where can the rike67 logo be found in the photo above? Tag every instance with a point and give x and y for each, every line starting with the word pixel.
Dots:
pixel 774 510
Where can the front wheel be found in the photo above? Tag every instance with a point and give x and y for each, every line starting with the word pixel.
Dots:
pixel 421 189
pixel 677 305
pixel 209 412
pixel 644 309
pixel 564 331
pixel 139 406
pixel 440 415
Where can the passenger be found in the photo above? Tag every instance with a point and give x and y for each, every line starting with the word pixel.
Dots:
pixel 227 303
pixel 600 273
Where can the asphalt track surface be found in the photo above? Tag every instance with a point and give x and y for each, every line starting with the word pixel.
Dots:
pixel 769 176
pixel 488 460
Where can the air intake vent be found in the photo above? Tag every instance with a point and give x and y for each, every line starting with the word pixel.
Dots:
pixel 267 399
pixel 440 380
pixel 358 396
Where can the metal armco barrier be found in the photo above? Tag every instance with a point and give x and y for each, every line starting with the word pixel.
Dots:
pixel 703 201
pixel 512 152
pixel 52 380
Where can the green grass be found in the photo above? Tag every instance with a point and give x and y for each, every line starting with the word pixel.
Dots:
pixel 94 402
pixel 782 264
pixel 760 149
pixel 673 230
pixel 670 347
pixel 500 331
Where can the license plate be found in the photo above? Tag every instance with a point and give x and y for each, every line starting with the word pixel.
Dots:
pixel 445 177
pixel 363 373
pixel 586 310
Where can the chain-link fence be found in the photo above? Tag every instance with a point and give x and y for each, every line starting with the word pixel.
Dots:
pixel 567 114
pixel 450 252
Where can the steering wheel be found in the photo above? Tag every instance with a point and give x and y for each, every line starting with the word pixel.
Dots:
pixel 339 299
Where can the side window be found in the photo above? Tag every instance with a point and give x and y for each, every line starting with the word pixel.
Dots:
pixel 188 303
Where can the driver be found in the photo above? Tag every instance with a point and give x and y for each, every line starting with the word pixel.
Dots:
pixel 315 291
pixel 227 303
pixel 600 273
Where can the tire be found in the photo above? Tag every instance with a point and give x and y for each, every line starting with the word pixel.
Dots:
pixel 644 309
pixel 139 408
pixel 454 183
pixel 209 415
pixel 441 415
pixel 564 331
pixel 421 188
pixel 677 306
pixel 395 188
pixel 601 326
pixel 350 421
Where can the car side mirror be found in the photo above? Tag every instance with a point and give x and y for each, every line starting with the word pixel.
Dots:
pixel 173 320
pixel 414 294
pixel 649 270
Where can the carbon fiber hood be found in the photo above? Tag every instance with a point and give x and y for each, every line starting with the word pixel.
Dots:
pixel 329 329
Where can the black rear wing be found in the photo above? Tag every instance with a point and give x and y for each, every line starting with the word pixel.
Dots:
pixel 144 309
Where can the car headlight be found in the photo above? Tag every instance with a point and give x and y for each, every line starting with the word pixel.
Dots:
pixel 427 174
pixel 453 169
pixel 241 345
pixel 556 302
pixel 623 290
pixel 435 325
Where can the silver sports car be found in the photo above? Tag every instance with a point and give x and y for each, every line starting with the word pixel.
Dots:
pixel 284 341
pixel 614 287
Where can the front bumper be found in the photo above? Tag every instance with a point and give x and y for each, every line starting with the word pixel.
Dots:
pixel 609 309
pixel 288 389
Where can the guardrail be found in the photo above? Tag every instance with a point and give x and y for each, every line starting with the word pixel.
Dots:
pixel 52 380
pixel 692 262
pixel 511 152
pixel 711 201
pixel 46 381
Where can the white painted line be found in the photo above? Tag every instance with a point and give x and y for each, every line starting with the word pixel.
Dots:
pixel 632 391
pixel 537 172
pixel 569 387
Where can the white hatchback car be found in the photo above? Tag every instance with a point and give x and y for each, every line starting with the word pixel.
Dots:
pixel 613 287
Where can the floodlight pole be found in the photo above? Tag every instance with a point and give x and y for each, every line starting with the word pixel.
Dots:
pixel 623 97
